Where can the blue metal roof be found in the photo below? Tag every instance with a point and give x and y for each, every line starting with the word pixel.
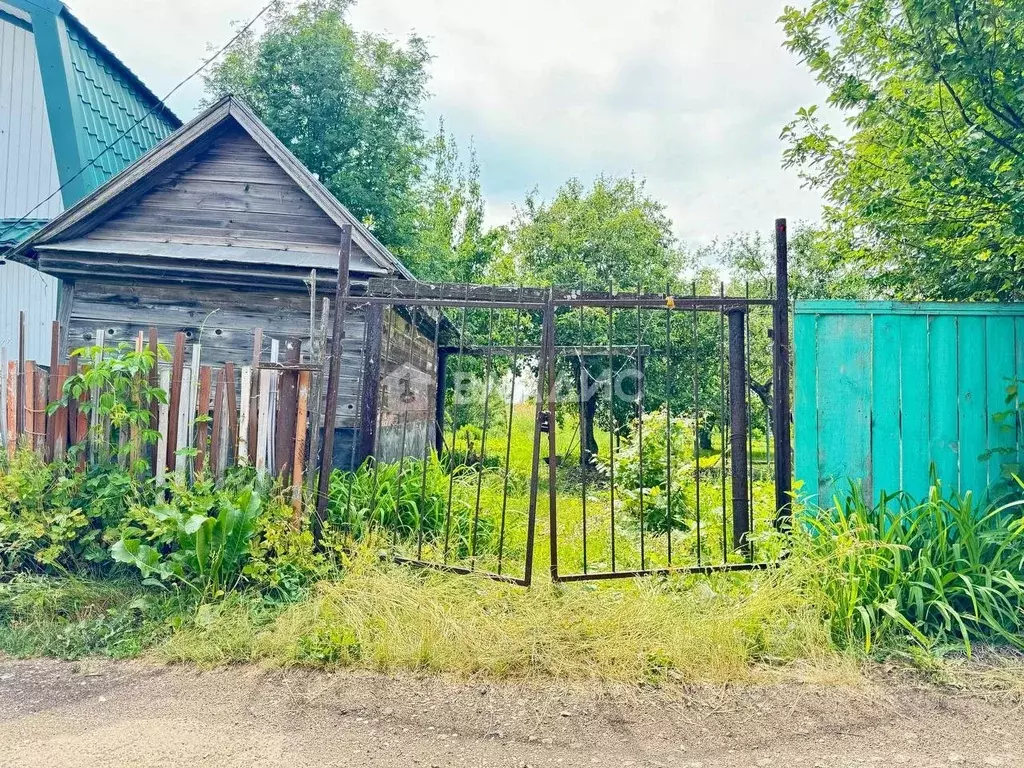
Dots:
pixel 13 231
pixel 92 100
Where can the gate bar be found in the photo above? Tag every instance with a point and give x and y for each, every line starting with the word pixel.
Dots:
pixel 738 427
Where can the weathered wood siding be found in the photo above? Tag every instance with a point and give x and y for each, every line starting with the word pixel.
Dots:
pixel 407 386
pixel 223 319
pixel 231 194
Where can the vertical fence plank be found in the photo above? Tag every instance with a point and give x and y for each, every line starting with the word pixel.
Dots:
pixel 262 421
pixel 29 403
pixel 254 394
pixel 202 430
pixel 39 412
pixel 245 417
pixel 885 403
pixel 1001 415
pixel 287 411
pixel 21 395
pixel 943 426
pixel 54 381
pixel 973 405
pixel 174 399
pixel 193 392
pixel 12 407
pixel 60 418
pixel 275 357
pixel 163 426
pixel 73 437
pixel 154 381
pixel 232 413
pixel 217 435
pixel 182 416
pixel 301 416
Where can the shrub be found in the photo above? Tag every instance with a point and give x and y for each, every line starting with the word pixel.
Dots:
pixel 943 571
pixel 642 476
pixel 54 518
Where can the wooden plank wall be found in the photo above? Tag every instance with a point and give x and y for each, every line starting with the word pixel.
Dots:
pixel 408 381
pixel 232 194
pixel 885 391
pixel 223 318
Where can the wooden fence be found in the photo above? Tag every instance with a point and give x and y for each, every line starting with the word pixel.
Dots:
pixel 214 417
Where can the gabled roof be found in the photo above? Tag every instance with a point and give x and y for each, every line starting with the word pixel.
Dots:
pixel 152 168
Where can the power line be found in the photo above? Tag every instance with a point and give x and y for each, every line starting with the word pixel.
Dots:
pixel 161 104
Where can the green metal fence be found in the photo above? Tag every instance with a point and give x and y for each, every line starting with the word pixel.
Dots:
pixel 886 390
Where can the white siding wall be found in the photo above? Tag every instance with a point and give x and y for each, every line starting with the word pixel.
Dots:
pixel 24 288
pixel 28 169
pixel 28 173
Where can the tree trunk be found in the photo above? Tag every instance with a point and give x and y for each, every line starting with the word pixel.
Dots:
pixel 588 413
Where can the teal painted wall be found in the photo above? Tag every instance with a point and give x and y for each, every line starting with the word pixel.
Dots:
pixel 882 390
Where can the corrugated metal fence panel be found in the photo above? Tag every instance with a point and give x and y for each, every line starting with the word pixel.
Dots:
pixel 24 288
pixel 28 168
pixel 886 390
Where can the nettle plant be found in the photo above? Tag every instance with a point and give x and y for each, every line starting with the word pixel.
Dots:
pixel 112 387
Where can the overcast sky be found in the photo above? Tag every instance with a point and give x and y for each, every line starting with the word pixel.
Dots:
pixel 689 94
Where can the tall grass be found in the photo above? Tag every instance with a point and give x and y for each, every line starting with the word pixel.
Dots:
pixel 945 571
pixel 384 617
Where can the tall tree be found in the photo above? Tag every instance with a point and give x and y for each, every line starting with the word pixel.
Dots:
pixel 925 192
pixel 451 243
pixel 348 104
pixel 610 236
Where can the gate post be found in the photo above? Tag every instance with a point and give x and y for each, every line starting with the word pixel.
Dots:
pixel 780 366
pixel 738 430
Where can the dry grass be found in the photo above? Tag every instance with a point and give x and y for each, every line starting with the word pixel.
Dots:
pixel 384 617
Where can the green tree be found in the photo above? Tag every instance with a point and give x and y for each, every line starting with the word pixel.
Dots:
pixel 924 192
pixel 451 243
pixel 348 104
pixel 612 236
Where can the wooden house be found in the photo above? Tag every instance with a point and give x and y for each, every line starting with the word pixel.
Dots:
pixel 217 231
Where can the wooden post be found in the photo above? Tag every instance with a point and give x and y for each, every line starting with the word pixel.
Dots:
pixel 439 400
pixel 262 417
pixel 287 410
pixel 254 395
pixel 301 416
pixel 369 408
pixel 174 400
pixel 333 379
pixel 202 418
pixel 73 436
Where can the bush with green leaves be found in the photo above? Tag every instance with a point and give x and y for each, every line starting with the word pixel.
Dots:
pixel 55 518
pixel 120 401
pixel 944 571
pixel 642 473
pixel 212 539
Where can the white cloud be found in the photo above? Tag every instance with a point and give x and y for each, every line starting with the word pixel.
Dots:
pixel 690 94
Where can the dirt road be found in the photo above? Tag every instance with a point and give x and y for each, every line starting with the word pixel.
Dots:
pixel 101 713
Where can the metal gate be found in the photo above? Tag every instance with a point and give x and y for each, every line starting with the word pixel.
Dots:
pixel 663 420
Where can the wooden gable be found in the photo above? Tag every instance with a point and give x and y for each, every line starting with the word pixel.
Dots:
pixel 221 201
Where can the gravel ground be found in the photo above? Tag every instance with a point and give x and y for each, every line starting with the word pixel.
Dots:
pixel 99 713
